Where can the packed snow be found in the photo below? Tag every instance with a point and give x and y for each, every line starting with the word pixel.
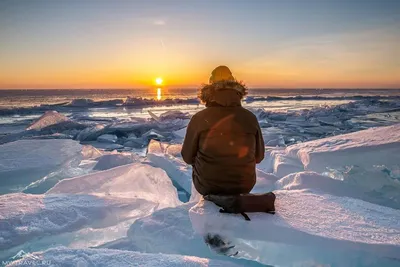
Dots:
pixel 113 258
pixel 357 225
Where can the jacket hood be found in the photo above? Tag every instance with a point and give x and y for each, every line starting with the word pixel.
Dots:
pixel 223 93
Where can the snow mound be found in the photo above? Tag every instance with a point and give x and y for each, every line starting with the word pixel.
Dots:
pixel 348 224
pixel 129 181
pixel 62 256
pixel 47 119
pixel 25 161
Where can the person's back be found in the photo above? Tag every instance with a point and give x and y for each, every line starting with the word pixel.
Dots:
pixel 224 141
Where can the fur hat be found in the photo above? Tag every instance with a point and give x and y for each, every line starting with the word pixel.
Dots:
pixel 221 73
pixel 221 79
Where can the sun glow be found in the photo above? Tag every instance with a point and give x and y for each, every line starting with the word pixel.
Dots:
pixel 159 81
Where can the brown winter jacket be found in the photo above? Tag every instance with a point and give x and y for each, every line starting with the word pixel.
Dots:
pixel 223 143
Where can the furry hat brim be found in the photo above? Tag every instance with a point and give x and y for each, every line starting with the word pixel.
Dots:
pixel 207 91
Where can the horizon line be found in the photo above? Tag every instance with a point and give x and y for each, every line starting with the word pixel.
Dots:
pixel 193 88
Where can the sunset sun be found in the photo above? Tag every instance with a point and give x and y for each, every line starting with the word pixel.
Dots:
pixel 159 81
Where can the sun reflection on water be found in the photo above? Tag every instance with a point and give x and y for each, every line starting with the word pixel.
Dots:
pixel 158 93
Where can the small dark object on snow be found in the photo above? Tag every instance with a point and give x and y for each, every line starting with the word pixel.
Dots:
pixel 218 244
pixel 244 203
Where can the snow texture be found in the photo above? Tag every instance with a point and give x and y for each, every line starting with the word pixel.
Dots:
pixel 348 224
pixel 62 256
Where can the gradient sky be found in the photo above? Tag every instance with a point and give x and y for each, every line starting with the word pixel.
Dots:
pixel 266 43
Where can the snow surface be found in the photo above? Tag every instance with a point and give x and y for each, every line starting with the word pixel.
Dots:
pixel 114 258
pixel 348 224
pixel 271 240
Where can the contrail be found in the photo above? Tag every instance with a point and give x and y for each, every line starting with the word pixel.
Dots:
pixel 162 43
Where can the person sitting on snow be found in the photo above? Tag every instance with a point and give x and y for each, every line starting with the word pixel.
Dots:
pixel 223 142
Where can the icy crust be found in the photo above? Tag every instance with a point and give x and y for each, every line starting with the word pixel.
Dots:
pixel 279 128
pixel 25 216
pixel 283 128
pixel 250 99
pixel 260 241
pixel 378 146
pixel 141 102
pixel 97 200
pixel 25 161
pixel 348 224
pixel 129 181
pixel 168 158
pixel 363 149
pixel 62 256
pixel 47 119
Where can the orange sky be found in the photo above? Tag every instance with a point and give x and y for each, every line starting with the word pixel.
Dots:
pixel 72 46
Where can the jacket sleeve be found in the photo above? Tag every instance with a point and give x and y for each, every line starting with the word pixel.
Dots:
pixel 260 147
pixel 190 143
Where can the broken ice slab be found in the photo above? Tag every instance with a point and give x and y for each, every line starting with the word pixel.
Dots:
pixel 113 160
pixel 105 146
pixel 91 133
pixel 174 114
pixel 107 138
pixel 47 119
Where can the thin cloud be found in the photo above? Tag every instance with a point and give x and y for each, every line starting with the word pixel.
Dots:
pixel 159 22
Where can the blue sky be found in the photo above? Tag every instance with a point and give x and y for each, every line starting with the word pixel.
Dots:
pixel 267 43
